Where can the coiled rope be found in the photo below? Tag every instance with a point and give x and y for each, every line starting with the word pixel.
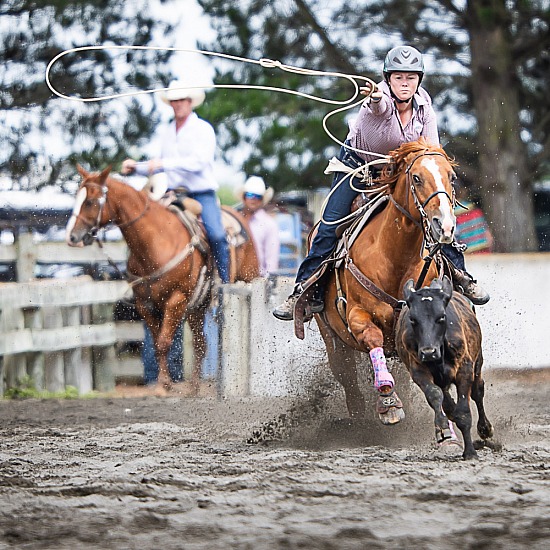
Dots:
pixel 347 104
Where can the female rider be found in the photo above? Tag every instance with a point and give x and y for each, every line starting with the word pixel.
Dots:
pixel 396 111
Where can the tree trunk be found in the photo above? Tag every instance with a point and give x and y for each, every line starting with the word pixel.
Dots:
pixel 507 196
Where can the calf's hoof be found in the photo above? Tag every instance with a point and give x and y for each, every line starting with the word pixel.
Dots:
pixel 469 454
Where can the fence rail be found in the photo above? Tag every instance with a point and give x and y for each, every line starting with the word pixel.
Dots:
pixel 62 332
pixel 59 333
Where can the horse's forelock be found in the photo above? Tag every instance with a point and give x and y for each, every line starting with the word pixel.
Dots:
pixel 401 157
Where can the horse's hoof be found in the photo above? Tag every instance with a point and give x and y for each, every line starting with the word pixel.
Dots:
pixel 389 408
pixel 447 440
pixel 446 434
pixel 393 416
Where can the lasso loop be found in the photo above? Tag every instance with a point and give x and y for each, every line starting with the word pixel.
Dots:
pixel 263 62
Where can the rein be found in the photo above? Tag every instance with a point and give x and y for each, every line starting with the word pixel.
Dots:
pixel 171 264
pixel 134 279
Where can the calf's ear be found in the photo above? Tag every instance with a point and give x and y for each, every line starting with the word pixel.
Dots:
pixel 447 288
pixel 408 289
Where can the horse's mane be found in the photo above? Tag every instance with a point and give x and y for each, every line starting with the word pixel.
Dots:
pixel 400 157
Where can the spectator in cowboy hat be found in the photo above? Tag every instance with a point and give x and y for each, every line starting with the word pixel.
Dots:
pixel 265 230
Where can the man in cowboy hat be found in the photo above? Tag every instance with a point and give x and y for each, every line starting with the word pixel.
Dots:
pixel 187 148
pixel 264 228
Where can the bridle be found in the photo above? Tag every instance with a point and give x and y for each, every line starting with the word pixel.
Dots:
pixel 429 241
pixel 102 200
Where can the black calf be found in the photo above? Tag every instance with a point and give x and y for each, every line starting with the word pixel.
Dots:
pixel 439 339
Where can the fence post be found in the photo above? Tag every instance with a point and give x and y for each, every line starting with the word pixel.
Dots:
pixel 77 373
pixel 104 357
pixel 54 368
pixel 26 257
pixel 234 374
pixel 35 361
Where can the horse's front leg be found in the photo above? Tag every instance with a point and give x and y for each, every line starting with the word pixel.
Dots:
pixel 341 359
pixel 370 336
pixel 171 318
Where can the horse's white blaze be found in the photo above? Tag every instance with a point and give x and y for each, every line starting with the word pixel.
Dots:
pixel 447 217
pixel 79 201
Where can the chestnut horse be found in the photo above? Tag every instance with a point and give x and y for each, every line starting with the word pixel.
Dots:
pixel 171 270
pixel 370 278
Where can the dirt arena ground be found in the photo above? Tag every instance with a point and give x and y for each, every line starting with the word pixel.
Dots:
pixel 134 471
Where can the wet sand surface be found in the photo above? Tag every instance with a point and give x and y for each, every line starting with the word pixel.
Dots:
pixel 135 471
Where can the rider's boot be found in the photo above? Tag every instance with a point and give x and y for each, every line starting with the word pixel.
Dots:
pixel 467 285
pixel 285 311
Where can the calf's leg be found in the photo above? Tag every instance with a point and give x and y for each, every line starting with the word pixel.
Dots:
pixel 463 416
pixel 484 427
pixel 434 395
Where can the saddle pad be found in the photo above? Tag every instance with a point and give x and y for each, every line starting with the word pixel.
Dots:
pixel 353 231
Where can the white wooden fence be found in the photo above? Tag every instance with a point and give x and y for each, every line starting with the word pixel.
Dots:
pixel 59 333
pixel 62 332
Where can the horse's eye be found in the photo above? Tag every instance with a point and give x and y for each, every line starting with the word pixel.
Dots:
pixel 88 202
pixel 416 179
pixel 453 177
pixel 414 322
pixel 441 320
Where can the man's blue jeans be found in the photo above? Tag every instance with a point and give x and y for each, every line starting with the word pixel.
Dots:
pixel 212 219
pixel 175 357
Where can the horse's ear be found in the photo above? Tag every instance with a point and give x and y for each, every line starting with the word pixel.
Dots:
pixel 81 171
pixel 104 173
pixel 408 290
pixel 447 287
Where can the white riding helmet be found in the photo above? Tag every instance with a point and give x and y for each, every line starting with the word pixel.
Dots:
pixel 256 185
pixel 405 59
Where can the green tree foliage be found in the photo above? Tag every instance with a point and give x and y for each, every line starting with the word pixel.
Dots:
pixel 42 135
pixel 488 73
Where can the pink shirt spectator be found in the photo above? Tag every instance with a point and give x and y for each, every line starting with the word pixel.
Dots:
pixel 378 128
pixel 266 237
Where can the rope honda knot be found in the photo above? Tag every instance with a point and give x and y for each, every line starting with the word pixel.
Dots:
pixel 270 63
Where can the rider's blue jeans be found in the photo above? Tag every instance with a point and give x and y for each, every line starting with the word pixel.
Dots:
pixel 175 357
pixel 212 219
pixel 337 207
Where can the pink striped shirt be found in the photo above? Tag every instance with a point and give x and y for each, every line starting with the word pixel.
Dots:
pixel 265 233
pixel 378 128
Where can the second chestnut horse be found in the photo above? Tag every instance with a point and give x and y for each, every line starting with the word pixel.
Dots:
pixel 172 271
